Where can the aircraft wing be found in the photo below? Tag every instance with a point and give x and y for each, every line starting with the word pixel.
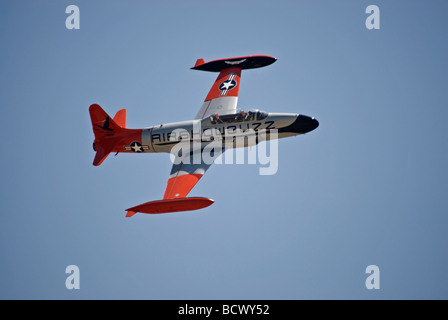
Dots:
pixel 184 176
pixel 223 96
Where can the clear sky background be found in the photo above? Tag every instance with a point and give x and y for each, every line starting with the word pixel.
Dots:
pixel 368 187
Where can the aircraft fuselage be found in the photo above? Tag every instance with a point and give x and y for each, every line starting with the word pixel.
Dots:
pixel 227 129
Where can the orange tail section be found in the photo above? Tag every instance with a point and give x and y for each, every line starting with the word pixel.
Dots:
pixel 106 131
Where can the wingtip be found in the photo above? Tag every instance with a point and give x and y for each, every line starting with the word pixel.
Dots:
pixel 199 62
pixel 130 214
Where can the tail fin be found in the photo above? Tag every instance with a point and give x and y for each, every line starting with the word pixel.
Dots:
pixel 105 129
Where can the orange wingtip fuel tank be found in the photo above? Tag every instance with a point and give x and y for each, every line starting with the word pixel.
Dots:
pixel 170 205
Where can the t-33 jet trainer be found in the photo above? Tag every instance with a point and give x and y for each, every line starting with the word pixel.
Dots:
pixel 217 121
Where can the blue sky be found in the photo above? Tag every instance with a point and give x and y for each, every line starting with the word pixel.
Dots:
pixel 368 187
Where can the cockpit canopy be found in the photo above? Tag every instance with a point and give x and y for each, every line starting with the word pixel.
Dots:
pixel 240 116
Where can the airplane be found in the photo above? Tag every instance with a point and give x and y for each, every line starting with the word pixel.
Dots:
pixel 218 114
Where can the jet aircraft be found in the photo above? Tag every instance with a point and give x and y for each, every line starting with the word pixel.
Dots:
pixel 217 121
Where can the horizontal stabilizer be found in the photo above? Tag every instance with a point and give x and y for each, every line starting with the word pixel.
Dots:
pixel 170 205
pixel 120 118
pixel 101 154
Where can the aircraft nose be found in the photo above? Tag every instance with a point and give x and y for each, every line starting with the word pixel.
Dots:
pixel 304 124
